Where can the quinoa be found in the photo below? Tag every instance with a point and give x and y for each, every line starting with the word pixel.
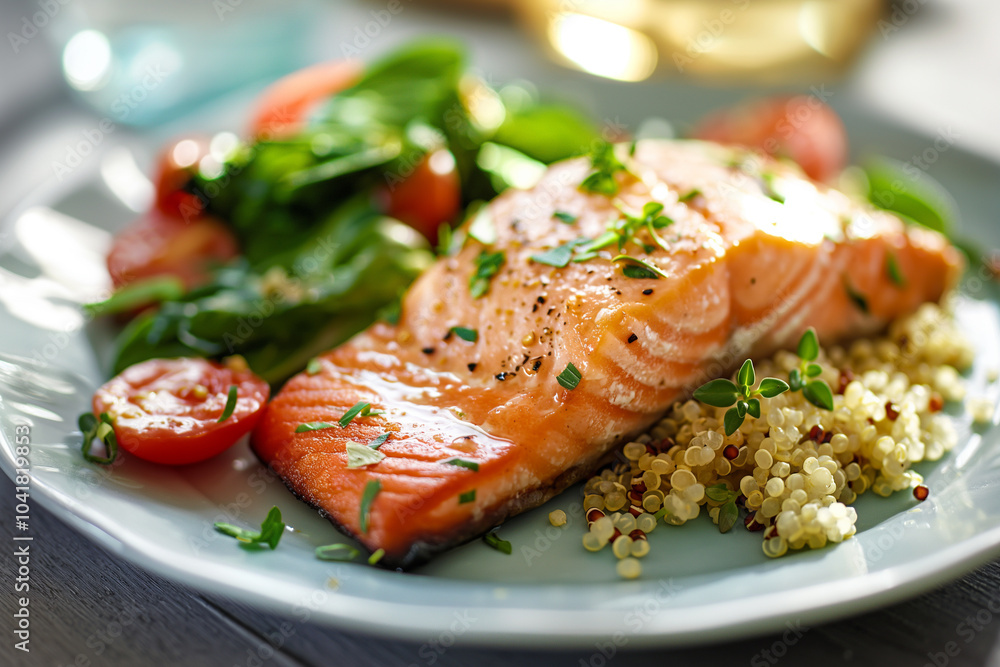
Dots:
pixel 794 472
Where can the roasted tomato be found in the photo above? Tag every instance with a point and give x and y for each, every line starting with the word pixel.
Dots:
pixel 801 128
pixel 174 411
pixel 429 196
pixel 283 107
pixel 159 244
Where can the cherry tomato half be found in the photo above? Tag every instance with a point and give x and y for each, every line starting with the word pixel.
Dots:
pixel 178 162
pixel 428 197
pixel 159 244
pixel 800 128
pixel 168 410
pixel 283 107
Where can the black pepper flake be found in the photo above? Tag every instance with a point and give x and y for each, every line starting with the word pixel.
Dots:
pixel 618 292
pixel 647 291
pixel 503 376
pixel 537 365
pixel 633 338
pixel 447 336
pixel 534 308
pixel 550 311
pixel 428 350
pixel 541 299
pixel 472 367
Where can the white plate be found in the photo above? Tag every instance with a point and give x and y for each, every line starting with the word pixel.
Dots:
pixel 697 586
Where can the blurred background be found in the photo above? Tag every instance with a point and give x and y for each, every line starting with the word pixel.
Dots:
pixel 153 70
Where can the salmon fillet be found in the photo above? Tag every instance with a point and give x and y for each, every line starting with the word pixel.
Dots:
pixel 756 254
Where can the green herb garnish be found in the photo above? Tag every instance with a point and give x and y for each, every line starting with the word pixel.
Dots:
pixel 728 512
pixel 339 552
pixel 570 377
pixel 102 429
pixel 722 393
pixel 379 441
pixel 467 497
pixel 270 531
pixel 372 489
pixel 471 465
pixel 227 412
pixel 637 268
pixel 314 366
pixel 313 426
pixel 483 229
pixel 487 265
pixel 359 455
pixel 563 216
pixel 605 166
pixel 857 298
pixel 140 293
pixel 361 408
pixel 816 391
pixel 893 271
pixel 466 334
pixel 491 538
pixel 560 255
pixel 376 556
pixel 689 195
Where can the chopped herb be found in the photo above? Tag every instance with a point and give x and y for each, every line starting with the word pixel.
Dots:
pixel 491 538
pixel 637 268
pixel 605 166
pixel 466 334
pixel 372 489
pixel 376 556
pixel 856 297
pixel 471 465
pixel 728 515
pixel 313 426
pixel 227 412
pixel 270 531
pixel 362 408
pixel 359 455
pixel 314 366
pixel 102 429
pixel 563 216
pixel 689 195
pixel 338 552
pixel 767 186
pixel 467 497
pixel 483 228
pixel 808 349
pixel 570 377
pixel 894 272
pixel 560 255
pixel 487 265
pixel 379 441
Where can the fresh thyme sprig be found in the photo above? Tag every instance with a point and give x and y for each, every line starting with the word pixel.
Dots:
pixel 816 390
pixel 722 393
pixel 606 165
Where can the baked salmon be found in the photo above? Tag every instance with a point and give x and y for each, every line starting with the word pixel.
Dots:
pixel 520 361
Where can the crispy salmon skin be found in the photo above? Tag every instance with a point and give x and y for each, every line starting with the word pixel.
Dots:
pixel 480 426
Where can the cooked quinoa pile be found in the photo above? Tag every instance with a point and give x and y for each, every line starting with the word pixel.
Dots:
pixel 793 472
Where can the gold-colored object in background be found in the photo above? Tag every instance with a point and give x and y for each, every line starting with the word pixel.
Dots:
pixel 762 41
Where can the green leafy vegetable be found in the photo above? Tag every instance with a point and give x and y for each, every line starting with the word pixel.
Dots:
pixel 270 531
pixel 227 411
pixel 570 377
pixel 379 441
pixel 137 294
pixel 372 489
